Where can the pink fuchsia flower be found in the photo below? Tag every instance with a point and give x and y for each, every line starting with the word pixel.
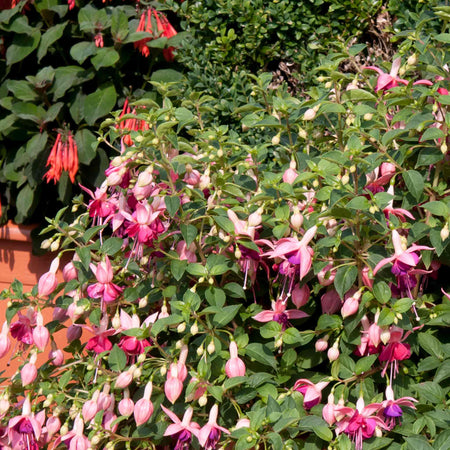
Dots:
pixel 296 252
pixel 75 439
pixel 280 314
pixel 187 253
pixel 5 342
pixel 100 342
pixel 312 393
pixel 330 302
pixel 209 434
pixel 300 295
pixel 404 259
pixel 400 213
pixel 244 227
pixel 90 407
pixel 351 305
pixel 48 282
pixel 290 175
pixel 41 335
pixel 234 367
pixel 24 431
pixel 362 424
pixel 22 330
pixel 391 408
pixel 131 345
pixel 182 430
pixel 104 288
pixel 28 373
pixel 390 80
pixel 126 405
pixel 395 351
pixel 371 337
pixel 100 206
pixel 173 385
pixel 143 409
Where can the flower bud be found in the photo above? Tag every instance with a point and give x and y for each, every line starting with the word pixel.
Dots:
pixel 203 400
pixel 385 336
pixel 126 407
pixel 322 344
pixel 445 232
pixel 333 352
pixel 211 348
pixel 276 139
pixel 181 327
pixel 412 60
pixel 194 329
pixel 309 114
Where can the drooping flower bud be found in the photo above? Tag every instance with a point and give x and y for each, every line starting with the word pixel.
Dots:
pixel 144 407
pixel 234 367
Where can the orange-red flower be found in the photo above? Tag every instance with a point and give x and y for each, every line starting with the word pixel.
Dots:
pixel 131 124
pixel 63 156
pixel 163 29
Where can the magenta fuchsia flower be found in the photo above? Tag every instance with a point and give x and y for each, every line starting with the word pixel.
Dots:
pixel 390 80
pixel 280 314
pixel 380 177
pixel 361 424
pixel 370 339
pixel 101 206
pixel 312 392
pixel 22 330
pixel 394 351
pixel 209 434
pixel 104 289
pixel 400 213
pixel 182 430
pixel 100 342
pixel 391 408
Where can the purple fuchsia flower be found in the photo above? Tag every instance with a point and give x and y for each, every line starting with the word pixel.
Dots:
pixel 280 314
pixel 391 408
pixel 209 434
pixel 182 429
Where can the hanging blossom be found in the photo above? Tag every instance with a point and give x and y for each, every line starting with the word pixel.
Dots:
pixel 391 408
pixel 63 157
pixel 182 430
pixel 163 29
pixel 209 435
pixel 389 80
pixel 296 256
pixel 130 123
pixel 280 314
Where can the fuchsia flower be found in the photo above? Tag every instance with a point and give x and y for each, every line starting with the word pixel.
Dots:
pixel 48 282
pixel 403 259
pixel 296 252
pixel 5 343
pixel 182 429
pixel 361 423
pixel 370 339
pixel 380 177
pixel 144 407
pixel 279 314
pixel 209 435
pixel 312 393
pixel 391 409
pixel 390 80
pixel 395 351
pixel 234 367
pixel 104 288
pixel 131 345
pixel 75 439
pixel 100 342
pixel 22 330
pixel 397 212
pixel 100 206
pixel 25 430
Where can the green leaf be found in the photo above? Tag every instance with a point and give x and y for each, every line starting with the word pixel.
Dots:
pixel 172 204
pixel 437 208
pixel 414 182
pixel 105 57
pixel 430 391
pixel 358 95
pixel 386 317
pixel 22 90
pixel 316 425
pixel 67 77
pixel 82 50
pixel 234 290
pixel 431 134
pixel 359 202
pixel 226 315
pixel 443 37
pixel 166 76
pixel 21 46
pixel 178 267
pixel 235 381
pixel 87 145
pixel 99 103
pixel 189 233
pixel 48 38
pixel 261 353
pixel 345 278
pixel 364 364
pixel 117 359
pixel 443 371
pixel 382 291
pixel 112 245
pixel 224 223
pixel 25 200
pixel 197 270
pixel 391 135
pixel 402 305
pixel 417 443
pixel 431 345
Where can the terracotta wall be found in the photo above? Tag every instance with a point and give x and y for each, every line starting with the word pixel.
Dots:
pixel 17 261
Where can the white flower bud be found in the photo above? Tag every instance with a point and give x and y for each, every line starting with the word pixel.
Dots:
pixel 309 114
pixel 211 348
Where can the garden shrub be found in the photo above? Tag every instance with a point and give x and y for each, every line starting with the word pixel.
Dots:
pixel 289 292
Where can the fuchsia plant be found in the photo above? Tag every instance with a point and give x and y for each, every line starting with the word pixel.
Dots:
pixel 219 288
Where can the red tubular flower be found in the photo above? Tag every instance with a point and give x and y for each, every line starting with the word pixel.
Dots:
pixel 63 157
pixel 131 124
